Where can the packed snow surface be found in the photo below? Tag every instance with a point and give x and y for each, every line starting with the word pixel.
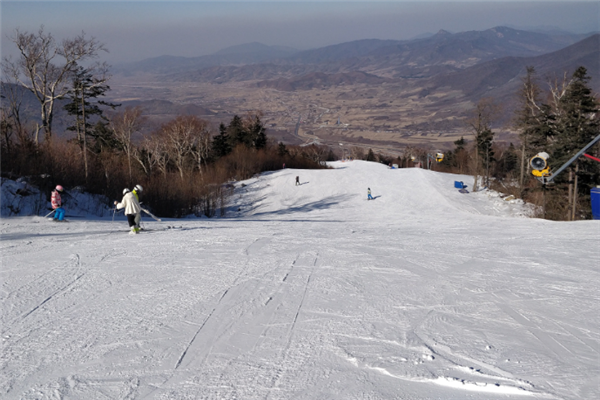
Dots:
pixel 306 292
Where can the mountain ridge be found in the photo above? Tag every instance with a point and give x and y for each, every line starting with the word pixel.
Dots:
pixel 463 48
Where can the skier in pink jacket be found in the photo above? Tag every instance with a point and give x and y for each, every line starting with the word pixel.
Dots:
pixel 56 200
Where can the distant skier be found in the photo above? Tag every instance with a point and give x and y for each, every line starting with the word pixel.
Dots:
pixel 297 180
pixel 56 200
pixel 369 197
pixel 132 208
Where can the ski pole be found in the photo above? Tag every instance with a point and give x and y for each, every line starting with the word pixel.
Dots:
pixel 51 212
pixel 150 214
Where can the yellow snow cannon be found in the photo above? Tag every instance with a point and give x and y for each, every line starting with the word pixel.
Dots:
pixel 539 165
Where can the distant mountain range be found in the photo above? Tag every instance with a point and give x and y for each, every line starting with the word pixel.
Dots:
pixel 499 77
pixel 443 52
pixel 479 63
pixel 250 53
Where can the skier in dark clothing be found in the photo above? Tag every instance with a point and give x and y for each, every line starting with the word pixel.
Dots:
pixel 297 180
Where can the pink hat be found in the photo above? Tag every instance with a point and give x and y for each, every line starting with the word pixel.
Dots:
pixel 59 188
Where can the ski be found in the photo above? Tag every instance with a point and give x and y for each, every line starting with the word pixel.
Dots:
pixel 150 214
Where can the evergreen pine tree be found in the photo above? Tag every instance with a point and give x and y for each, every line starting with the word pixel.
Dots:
pixel 236 132
pixel 511 159
pixel 576 123
pixel 371 156
pixel 221 143
pixel 86 88
pixel 486 152
pixel 331 156
pixel 484 145
pixel 282 150
pixel 507 164
pixel 460 144
pixel 103 137
pixel 257 134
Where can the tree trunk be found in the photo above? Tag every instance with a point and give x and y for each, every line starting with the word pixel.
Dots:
pixel 487 167
pixel 522 177
pixel 37 134
pixel 476 174
pixel 44 125
pixel 129 164
pixel 84 135
pixel 48 122
pixel 575 193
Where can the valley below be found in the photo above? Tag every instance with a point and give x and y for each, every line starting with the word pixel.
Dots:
pixel 386 118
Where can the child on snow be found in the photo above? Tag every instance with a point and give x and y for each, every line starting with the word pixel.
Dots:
pixel 369 197
pixel 56 200
pixel 131 204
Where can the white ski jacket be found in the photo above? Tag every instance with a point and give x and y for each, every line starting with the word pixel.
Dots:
pixel 130 203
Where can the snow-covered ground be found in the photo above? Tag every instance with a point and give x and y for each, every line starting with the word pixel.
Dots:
pixel 306 292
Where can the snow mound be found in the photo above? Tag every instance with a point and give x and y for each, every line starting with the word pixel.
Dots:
pixel 19 198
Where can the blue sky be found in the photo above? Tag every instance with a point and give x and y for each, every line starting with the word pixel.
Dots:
pixel 135 30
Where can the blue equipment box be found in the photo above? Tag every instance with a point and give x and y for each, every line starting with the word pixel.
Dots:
pixel 595 197
pixel 459 185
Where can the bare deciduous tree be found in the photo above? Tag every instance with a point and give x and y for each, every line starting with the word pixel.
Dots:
pixel 316 153
pixel 185 137
pixel 202 144
pixel 124 125
pixel 44 67
pixel 480 121
pixel 12 103
pixel 357 153
pixel 153 154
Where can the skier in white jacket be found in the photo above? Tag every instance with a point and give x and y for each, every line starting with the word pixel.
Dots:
pixel 132 208
pixel 137 191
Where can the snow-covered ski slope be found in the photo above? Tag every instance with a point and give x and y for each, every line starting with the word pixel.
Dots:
pixel 307 292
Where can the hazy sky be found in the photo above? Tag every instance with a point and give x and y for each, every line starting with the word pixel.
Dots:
pixel 134 30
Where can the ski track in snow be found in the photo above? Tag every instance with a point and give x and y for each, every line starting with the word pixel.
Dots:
pixel 306 292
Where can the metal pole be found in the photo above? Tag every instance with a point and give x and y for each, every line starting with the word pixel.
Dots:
pixel 575 157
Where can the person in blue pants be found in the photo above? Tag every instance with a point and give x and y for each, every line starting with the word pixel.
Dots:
pixel 56 200
pixel 369 197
